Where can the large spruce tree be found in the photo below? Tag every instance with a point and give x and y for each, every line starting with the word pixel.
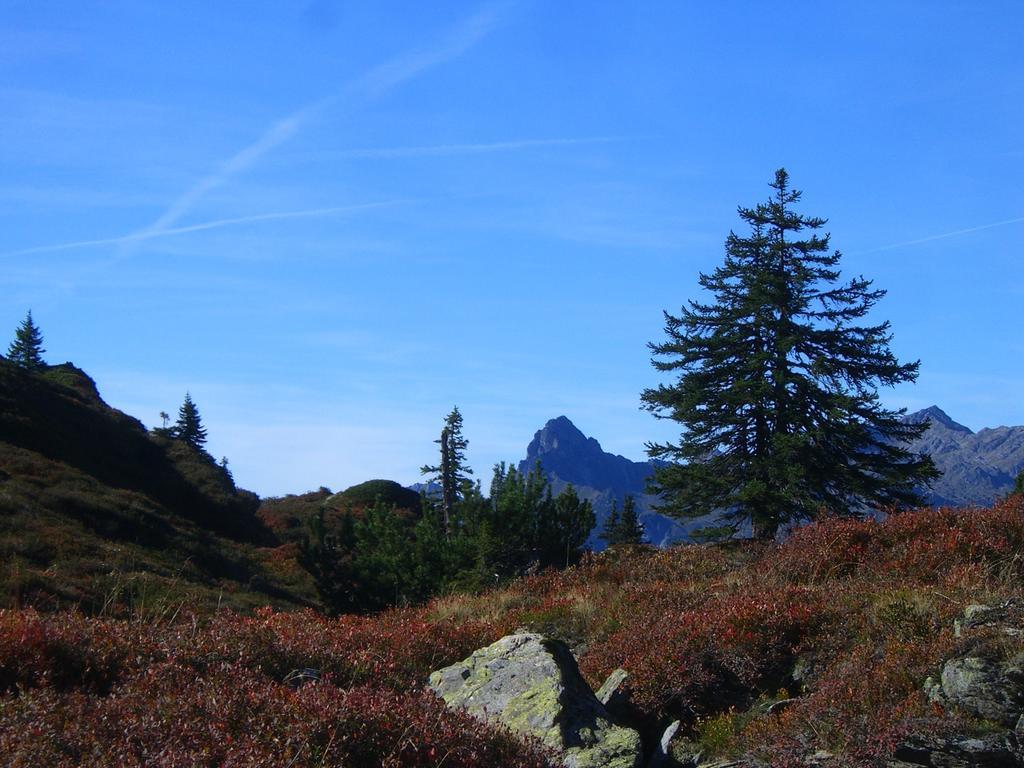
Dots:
pixel 452 473
pixel 777 386
pixel 27 350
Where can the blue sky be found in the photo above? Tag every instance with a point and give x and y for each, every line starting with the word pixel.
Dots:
pixel 331 222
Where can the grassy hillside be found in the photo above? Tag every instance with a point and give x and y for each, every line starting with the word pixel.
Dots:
pixel 98 513
pixel 843 623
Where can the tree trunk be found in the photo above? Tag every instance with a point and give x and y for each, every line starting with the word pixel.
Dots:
pixel 764 530
pixel 447 481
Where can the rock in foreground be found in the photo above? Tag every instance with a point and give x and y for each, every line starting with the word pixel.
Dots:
pixel 532 685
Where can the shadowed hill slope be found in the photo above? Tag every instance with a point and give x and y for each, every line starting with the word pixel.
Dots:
pixel 95 510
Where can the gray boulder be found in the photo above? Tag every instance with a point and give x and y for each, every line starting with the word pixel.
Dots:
pixel 986 688
pixel 612 687
pixel 1001 615
pixel 531 685
pixel 614 695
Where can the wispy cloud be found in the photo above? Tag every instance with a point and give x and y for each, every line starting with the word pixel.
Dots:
pixel 150 233
pixel 407 66
pixel 442 150
pixel 943 236
pixel 374 83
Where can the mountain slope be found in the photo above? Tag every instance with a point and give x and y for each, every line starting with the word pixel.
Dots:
pixel 978 467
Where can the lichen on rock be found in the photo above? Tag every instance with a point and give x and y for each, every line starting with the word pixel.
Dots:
pixel 531 685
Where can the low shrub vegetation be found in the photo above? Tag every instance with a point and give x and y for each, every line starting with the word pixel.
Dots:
pixel 842 622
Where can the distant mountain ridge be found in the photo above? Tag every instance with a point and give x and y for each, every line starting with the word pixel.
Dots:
pixel 978 468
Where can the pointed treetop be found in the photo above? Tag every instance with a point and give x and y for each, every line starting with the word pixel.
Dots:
pixel 189 426
pixel 26 351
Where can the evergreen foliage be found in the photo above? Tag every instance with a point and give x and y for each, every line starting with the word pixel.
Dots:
pixel 623 528
pixel 610 529
pixel 1018 486
pixel 327 554
pixel 564 533
pixel 631 530
pixel 371 491
pixel 383 558
pixel 189 427
pixel 452 473
pixel 379 560
pixel 224 465
pixel 777 386
pixel 26 351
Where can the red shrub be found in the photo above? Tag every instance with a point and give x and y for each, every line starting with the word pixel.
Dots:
pixel 65 650
pixel 864 704
pixel 929 545
pixel 699 628
pixel 232 716
pixel 686 659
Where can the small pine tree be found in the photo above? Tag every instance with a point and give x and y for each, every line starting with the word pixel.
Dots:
pixel 631 530
pixel 1018 487
pixel 570 521
pixel 26 351
pixel 189 426
pixel 610 529
pixel 625 527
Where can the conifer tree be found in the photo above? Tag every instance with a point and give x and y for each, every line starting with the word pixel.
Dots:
pixel 630 530
pixel 625 527
pixel 26 351
pixel 610 529
pixel 451 473
pixel 565 528
pixel 777 386
pixel 224 465
pixel 189 426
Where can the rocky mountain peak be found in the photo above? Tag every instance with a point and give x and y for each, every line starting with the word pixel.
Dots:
pixel 562 436
pixel 567 455
pixel 936 415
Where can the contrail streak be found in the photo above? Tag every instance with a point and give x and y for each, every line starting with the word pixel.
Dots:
pixel 275 135
pixel 469 149
pixel 944 235
pixel 376 81
pixel 151 234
